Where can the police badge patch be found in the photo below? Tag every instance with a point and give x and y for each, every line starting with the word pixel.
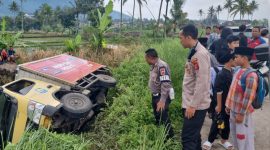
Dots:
pixel 162 71
pixel 164 75
pixel 195 63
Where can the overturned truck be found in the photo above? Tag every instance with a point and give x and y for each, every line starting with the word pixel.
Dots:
pixel 61 92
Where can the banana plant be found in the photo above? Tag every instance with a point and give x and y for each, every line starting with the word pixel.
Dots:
pixel 102 27
pixel 7 39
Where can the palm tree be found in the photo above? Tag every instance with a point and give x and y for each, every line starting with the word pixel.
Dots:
pixel 228 5
pixel 121 18
pixel 178 16
pixel 22 14
pixel 13 7
pixel 211 13
pixel 166 13
pixel 46 11
pixel 140 2
pixel 134 4
pixel 166 17
pixel 239 7
pixel 248 11
pixel 218 10
pixel 253 6
pixel 56 13
pixel 160 7
pixel 201 13
pixel 121 12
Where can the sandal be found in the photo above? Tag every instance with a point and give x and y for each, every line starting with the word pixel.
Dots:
pixel 227 145
pixel 207 145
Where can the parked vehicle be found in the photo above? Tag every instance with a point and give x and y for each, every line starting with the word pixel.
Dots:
pixel 236 31
pixel 262 62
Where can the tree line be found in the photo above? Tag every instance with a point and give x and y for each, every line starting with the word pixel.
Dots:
pixel 233 7
pixel 47 18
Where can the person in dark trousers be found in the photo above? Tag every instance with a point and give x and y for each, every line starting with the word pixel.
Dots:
pixel 222 42
pixel 160 85
pixel 233 42
pixel 222 85
pixel 196 86
pixel 243 38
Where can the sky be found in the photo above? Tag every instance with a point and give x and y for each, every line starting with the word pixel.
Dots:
pixel 191 7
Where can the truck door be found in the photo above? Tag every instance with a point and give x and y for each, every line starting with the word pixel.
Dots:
pixel 8 111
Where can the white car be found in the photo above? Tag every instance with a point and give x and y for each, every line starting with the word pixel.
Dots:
pixel 236 31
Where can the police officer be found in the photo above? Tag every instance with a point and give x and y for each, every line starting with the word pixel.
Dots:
pixel 196 86
pixel 160 86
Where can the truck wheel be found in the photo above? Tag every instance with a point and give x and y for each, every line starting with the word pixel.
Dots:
pixel 106 81
pixel 76 105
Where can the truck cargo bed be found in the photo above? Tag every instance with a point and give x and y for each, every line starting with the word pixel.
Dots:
pixel 63 70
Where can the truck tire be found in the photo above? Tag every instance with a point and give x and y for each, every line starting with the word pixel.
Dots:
pixel 76 105
pixel 106 81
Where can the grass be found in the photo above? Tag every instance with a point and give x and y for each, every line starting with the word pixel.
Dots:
pixel 128 123
pixel 42 139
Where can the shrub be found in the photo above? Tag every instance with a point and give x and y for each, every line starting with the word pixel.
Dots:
pixel 73 45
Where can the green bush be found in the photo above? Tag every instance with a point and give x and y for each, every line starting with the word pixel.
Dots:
pixel 73 45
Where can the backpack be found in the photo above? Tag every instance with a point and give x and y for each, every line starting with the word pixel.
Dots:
pixel 262 89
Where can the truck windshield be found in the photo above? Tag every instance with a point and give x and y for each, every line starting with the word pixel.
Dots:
pixel 8 111
pixel 21 87
pixel 3 100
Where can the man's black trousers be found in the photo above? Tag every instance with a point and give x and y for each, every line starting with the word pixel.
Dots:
pixel 191 131
pixel 162 117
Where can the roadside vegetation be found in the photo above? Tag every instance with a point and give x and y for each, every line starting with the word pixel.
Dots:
pixel 43 139
pixel 128 122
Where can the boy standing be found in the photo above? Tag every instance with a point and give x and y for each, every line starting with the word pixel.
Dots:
pixel 239 101
pixel 233 42
pixel 221 87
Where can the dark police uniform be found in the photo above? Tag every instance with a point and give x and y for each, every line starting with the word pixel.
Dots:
pixel 160 85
